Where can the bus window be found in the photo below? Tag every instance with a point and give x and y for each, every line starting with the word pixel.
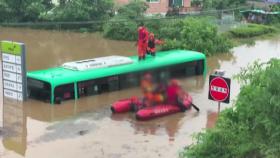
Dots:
pixel 178 70
pixel 199 67
pixel 86 88
pixel 129 80
pixel 38 89
pixel 113 83
pixel 190 68
pixel 163 75
pixel 64 92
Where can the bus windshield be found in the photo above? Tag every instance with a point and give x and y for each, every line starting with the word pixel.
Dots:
pixel 38 89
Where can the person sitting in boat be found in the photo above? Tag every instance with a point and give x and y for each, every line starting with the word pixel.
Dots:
pixel 175 93
pixel 151 49
pixel 159 96
pixel 147 86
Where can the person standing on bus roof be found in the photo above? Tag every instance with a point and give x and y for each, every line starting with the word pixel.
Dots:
pixel 146 41
pixel 142 41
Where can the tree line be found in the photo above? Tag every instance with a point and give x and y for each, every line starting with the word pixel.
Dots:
pixel 46 10
pixel 78 10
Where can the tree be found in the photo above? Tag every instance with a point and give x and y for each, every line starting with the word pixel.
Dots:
pixel 62 2
pixel 48 4
pixel 21 10
pixel 133 10
pixel 124 25
pixel 82 10
pixel 4 11
pixel 197 34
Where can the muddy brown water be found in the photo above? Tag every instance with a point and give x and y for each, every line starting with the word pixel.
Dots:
pixel 86 128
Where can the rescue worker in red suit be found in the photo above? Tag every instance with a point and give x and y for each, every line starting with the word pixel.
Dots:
pixel 151 49
pixel 142 42
pixel 174 93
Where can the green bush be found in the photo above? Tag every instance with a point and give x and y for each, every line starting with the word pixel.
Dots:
pixel 120 28
pixel 251 128
pixel 274 19
pixel 252 30
pixel 124 25
pixel 133 10
pixel 81 10
pixel 194 34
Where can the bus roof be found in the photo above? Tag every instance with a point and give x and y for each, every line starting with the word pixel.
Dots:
pixel 59 75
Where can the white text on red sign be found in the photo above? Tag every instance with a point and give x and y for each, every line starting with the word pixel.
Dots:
pixel 219 89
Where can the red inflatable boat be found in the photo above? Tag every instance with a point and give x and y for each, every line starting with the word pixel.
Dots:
pixel 146 113
pixel 162 110
pixel 126 105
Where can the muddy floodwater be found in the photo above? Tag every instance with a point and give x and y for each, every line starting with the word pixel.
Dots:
pixel 86 128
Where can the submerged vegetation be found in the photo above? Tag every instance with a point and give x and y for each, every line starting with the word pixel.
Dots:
pixel 251 128
pixel 251 30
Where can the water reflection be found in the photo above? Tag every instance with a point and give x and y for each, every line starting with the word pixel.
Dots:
pixel 212 117
pixel 15 127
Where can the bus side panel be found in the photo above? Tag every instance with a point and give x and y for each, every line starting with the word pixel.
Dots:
pixel 52 95
pixel 76 90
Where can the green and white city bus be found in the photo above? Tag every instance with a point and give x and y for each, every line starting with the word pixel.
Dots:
pixel 76 79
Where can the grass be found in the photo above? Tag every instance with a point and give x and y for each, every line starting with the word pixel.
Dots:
pixel 248 34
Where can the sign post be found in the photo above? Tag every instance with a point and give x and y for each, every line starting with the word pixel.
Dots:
pixel 219 89
pixel 13 69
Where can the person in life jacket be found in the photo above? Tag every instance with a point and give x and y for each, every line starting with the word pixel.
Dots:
pixel 151 49
pixel 160 94
pixel 154 94
pixel 142 41
pixel 174 93
pixel 147 86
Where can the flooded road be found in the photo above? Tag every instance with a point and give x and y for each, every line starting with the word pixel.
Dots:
pixel 86 128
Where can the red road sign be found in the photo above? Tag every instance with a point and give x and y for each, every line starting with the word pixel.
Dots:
pixel 219 88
